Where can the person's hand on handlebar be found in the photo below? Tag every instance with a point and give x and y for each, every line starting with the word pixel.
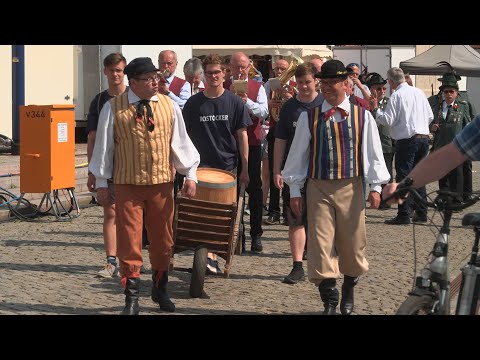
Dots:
pixel 387 192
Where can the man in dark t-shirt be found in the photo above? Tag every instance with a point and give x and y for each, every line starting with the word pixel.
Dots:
pixel 216 121
pixel 306 99
pixel 212 124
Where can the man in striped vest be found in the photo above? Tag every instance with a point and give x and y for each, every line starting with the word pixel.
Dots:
pixel 140 135
pixel 335 145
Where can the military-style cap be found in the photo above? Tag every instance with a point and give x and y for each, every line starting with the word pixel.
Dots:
pixel 449 76
pixel 449 80
pixel 375 79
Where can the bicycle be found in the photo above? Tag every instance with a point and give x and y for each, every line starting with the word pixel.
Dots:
pixel 432 291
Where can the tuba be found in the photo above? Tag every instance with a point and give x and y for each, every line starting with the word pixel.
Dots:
pixel 289 73
pixel 282 82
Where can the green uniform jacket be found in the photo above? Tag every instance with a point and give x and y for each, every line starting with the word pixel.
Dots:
pixel 462 96
pixel 458 118
pixel 388 146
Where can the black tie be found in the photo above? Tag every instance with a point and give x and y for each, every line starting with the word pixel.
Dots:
pixel 449 107
pixel 142 104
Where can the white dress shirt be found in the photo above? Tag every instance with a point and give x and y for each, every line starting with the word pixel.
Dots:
pixel 260 107
pixel 296 168
pixel 201 86
pixel 183 153
pixel 185 92
pixel 358 92
pixel 445 109
pixel 407 114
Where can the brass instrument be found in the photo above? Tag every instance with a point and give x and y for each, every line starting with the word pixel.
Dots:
pixel 163 75
pixel 252 71
pixel 282 82
pixel 289 73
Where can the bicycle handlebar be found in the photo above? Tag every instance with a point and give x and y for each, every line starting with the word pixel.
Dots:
pixel 444 200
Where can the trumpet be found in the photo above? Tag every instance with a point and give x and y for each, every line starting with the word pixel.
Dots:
pixel 163 75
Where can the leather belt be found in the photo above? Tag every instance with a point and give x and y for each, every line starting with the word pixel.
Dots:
pixel 419 136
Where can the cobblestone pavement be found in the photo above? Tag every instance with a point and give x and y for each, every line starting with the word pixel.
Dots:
pixel 49 267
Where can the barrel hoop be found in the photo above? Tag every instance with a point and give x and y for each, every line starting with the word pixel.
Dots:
pixel 217 186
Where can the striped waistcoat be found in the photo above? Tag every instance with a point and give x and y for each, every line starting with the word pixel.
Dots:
pixel 336 147
pixel 142 157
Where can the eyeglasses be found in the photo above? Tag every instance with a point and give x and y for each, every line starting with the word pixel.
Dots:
pixel 149 80
pixel 239 67
pixel 330 82
pixel 168 63
pixel 211 73
pixel 448 91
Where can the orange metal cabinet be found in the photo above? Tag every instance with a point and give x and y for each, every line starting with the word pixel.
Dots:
pixel 47 148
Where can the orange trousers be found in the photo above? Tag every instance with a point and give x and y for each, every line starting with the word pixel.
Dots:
pixel 158 203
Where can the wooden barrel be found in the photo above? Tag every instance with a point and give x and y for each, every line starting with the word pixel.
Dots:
pixel 216 185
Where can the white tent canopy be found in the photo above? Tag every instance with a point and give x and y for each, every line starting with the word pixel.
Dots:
pixel 262 50
pixel 463 58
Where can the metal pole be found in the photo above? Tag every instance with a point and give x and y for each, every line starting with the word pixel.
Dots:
pixel 18 93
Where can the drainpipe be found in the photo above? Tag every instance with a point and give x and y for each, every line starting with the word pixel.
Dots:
pixel 18 93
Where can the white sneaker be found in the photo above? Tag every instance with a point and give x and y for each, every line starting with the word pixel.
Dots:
pixel 109 271
pixel 211 268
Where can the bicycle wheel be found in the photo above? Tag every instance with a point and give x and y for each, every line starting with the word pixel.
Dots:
pixel 417 305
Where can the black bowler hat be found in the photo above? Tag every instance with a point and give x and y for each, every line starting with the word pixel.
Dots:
pixel 449 80
pixel 333 69
pixel 375 79
pixel 139 66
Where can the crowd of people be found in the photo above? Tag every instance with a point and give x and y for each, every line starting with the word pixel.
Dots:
pixel 317 141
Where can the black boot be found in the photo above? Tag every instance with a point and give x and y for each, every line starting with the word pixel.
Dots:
pixel 244 246
pixel 256 245
pixel 159 291
pixel 132 291
pixel 329 295
pixel 346 304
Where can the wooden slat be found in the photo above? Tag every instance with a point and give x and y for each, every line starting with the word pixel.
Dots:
pixel 207 204
pixel 205 211
pixel 191 244
pixel 202 235
pixel 195 218
pixel 181 248
pixel 204 226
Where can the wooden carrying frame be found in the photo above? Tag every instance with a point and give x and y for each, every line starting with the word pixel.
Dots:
pixel 210 224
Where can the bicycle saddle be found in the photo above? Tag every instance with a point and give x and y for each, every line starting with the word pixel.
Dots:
pixel 471 219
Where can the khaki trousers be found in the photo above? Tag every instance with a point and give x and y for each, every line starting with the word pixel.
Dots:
pixel 130 202
pixel 336 229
